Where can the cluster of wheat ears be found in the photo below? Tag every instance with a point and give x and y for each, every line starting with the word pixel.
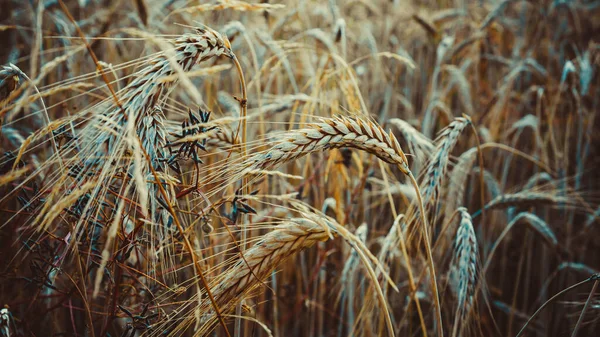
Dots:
pixel 305 168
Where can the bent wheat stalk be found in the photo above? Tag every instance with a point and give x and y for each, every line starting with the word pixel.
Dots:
pixel 259 261
pixel 353 132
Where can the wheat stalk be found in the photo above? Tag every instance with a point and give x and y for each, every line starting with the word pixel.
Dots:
pixel 348 278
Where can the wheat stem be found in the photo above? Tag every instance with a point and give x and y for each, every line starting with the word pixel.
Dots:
pixel 585 306
pixel 424 228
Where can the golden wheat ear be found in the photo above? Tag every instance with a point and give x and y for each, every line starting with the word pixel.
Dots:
pixel 336 132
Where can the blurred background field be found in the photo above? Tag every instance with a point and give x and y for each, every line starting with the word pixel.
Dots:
pixel 494 104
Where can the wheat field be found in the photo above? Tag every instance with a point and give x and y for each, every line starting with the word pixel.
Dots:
pixel 299 168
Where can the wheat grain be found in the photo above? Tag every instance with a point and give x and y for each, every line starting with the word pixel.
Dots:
pixel 224 138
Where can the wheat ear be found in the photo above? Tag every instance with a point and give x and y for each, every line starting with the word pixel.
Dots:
pixel 10 78
pixel 353 132
pixel 525 198
pixel 336 132
pixel 273 248
pixel 245 275
pixel 464 268
pixel 436 169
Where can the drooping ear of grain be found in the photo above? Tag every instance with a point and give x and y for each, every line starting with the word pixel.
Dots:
pixel 337 132
pixel 259 261
pixel 534 222
pixel 436 169
pixel 527 198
